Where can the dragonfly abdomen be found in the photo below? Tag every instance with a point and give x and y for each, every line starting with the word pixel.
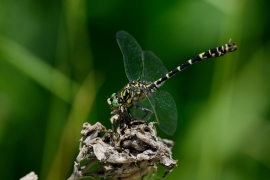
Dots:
pixel 211 53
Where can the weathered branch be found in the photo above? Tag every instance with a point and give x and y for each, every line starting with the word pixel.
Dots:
pixel 131 154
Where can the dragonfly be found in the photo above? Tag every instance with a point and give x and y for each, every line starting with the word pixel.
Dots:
pixel 146 74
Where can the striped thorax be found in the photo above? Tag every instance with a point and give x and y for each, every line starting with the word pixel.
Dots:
pixel 131 94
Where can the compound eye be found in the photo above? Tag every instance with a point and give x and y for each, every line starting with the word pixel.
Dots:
pixel 115 102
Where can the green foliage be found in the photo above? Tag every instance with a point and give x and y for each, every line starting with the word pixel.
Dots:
pixel 59 62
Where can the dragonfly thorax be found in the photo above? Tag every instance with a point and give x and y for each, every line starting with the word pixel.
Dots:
pixel 131 94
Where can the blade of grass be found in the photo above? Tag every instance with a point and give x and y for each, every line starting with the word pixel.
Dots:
pixel 37 69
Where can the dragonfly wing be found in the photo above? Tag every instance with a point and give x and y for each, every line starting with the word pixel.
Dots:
pixel 132 54
pixel 153 67
pixel 165 111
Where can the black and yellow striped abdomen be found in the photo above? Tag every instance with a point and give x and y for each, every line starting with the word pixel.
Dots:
pixel 212 53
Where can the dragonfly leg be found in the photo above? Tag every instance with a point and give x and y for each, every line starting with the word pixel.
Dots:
pixel 148 112
pixel 126 116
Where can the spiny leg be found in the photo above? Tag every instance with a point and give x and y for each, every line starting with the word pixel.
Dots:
pixel 127 115
pixel 148 112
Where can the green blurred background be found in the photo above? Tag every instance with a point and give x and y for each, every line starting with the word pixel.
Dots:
pixel 59 62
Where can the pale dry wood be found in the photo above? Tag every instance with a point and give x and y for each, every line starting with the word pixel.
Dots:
pixel 30 176
pixel 130 153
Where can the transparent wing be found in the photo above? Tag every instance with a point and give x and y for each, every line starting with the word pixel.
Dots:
pixel 132 53
pixel 165 111
pixel 153 67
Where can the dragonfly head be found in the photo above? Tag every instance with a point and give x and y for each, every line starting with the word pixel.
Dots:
pixel 113 101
